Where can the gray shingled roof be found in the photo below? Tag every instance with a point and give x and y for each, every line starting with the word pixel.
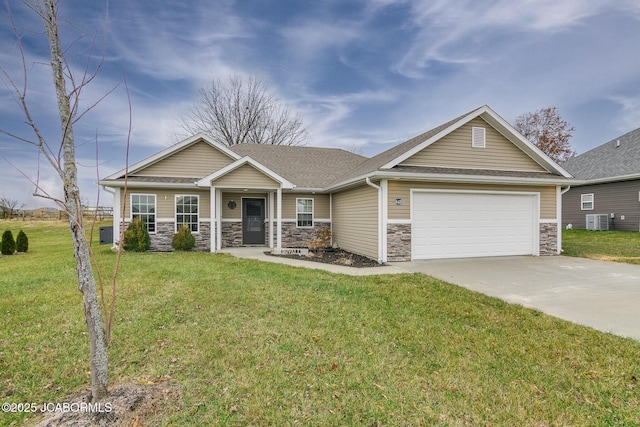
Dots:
pixel 307 167
pixel 608 160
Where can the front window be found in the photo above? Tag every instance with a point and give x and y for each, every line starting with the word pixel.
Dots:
pixel 304 212
pixel 143 206
pixel 187 212
pixel 586 202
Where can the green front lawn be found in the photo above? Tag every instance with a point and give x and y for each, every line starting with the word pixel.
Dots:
pixel 253 343
pixel 620 246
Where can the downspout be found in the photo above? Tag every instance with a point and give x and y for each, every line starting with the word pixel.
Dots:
pixel 380 201
pixel 562 192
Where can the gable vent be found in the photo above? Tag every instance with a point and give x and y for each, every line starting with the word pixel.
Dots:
pixel 478 137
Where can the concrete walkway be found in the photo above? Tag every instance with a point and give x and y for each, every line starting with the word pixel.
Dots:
pixel 258 253
pixel 602 295
pixel 599 294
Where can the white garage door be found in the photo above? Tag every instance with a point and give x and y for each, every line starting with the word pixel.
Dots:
pixel 459 225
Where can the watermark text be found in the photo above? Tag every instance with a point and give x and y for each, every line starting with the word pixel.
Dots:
pixel 57 407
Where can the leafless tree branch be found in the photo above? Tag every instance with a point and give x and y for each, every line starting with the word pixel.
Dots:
pixel 243 110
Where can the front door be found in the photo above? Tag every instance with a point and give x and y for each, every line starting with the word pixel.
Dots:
pixel 253 221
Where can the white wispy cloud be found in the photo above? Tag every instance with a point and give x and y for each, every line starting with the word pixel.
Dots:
pixel 462 32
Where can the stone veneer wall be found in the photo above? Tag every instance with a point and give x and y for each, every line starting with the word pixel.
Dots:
pixel 294 237
pixel 398 242
pixel 231 234
pixel 548 239
pixel 161 240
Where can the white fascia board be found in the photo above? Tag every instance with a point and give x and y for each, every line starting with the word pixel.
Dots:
pixel 350 183
pixel 172 149
pixel 404 156
pixel 309 190
pixel 629 177
pixel 206 181
pixel 488 179
pixel 135 184
pixel 467 179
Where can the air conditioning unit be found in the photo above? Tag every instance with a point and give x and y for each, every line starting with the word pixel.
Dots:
pixel 598 222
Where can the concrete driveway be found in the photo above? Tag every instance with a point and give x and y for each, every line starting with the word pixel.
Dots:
pixel 599 294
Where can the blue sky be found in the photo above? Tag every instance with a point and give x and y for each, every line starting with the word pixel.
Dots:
pixel 363 74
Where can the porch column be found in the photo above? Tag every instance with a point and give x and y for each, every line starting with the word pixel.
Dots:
pixel 218 219
pixel 272 196
pixel 117 218
pixel 214 219
pixel 279 223
pixel 384 196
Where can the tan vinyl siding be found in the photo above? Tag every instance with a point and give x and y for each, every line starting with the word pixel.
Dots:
pixel 165 201
pixel 320 205
pixel 402 190
pixel 246 176
pixel 355 220
pixel 237 197
pixel 197 160
pixel 455 151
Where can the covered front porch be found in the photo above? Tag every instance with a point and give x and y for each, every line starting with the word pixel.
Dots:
pixel 253 206
pixel 244 217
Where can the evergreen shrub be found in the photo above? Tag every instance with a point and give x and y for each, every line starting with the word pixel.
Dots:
pixel 22 242
pixel 136 237
pixel 183 240
pixel 8 245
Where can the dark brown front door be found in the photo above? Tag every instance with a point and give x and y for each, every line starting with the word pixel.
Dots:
pixel 253 221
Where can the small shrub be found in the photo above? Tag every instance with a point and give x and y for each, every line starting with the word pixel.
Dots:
pixel 8 246
pixel 22 242
pixel 136 237
pixel 183 240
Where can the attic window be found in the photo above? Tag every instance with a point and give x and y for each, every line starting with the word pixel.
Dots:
pixel 478 137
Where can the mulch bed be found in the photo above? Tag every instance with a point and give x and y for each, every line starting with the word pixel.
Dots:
pixel 335 256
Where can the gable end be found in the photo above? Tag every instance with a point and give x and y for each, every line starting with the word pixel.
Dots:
pixel 475 145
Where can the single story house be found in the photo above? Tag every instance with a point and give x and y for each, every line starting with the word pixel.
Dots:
pixel 471 187
pixel 608 198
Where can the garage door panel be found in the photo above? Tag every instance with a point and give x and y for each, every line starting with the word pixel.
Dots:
pixel 453 225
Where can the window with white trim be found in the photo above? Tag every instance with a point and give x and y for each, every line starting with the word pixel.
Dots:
pixel 143 206
pixel 187 209
pixel 304 213
pixel 586 202
pixel 478 137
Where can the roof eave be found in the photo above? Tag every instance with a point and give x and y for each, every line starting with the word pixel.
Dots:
pixel 609 179
pixel 458 178
pixel 170 150
pixel 137 184
pixel 206 181
pixel 502 126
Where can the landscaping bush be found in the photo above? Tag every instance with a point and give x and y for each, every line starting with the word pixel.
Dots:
pixel 183 240
pixel 22 242
pixel 8 244
pixel 136 237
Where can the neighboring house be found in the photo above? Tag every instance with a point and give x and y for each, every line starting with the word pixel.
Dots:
pixel 468 188
pixel 609 196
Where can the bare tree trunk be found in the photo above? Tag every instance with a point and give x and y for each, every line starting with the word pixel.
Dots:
pixel 72 200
